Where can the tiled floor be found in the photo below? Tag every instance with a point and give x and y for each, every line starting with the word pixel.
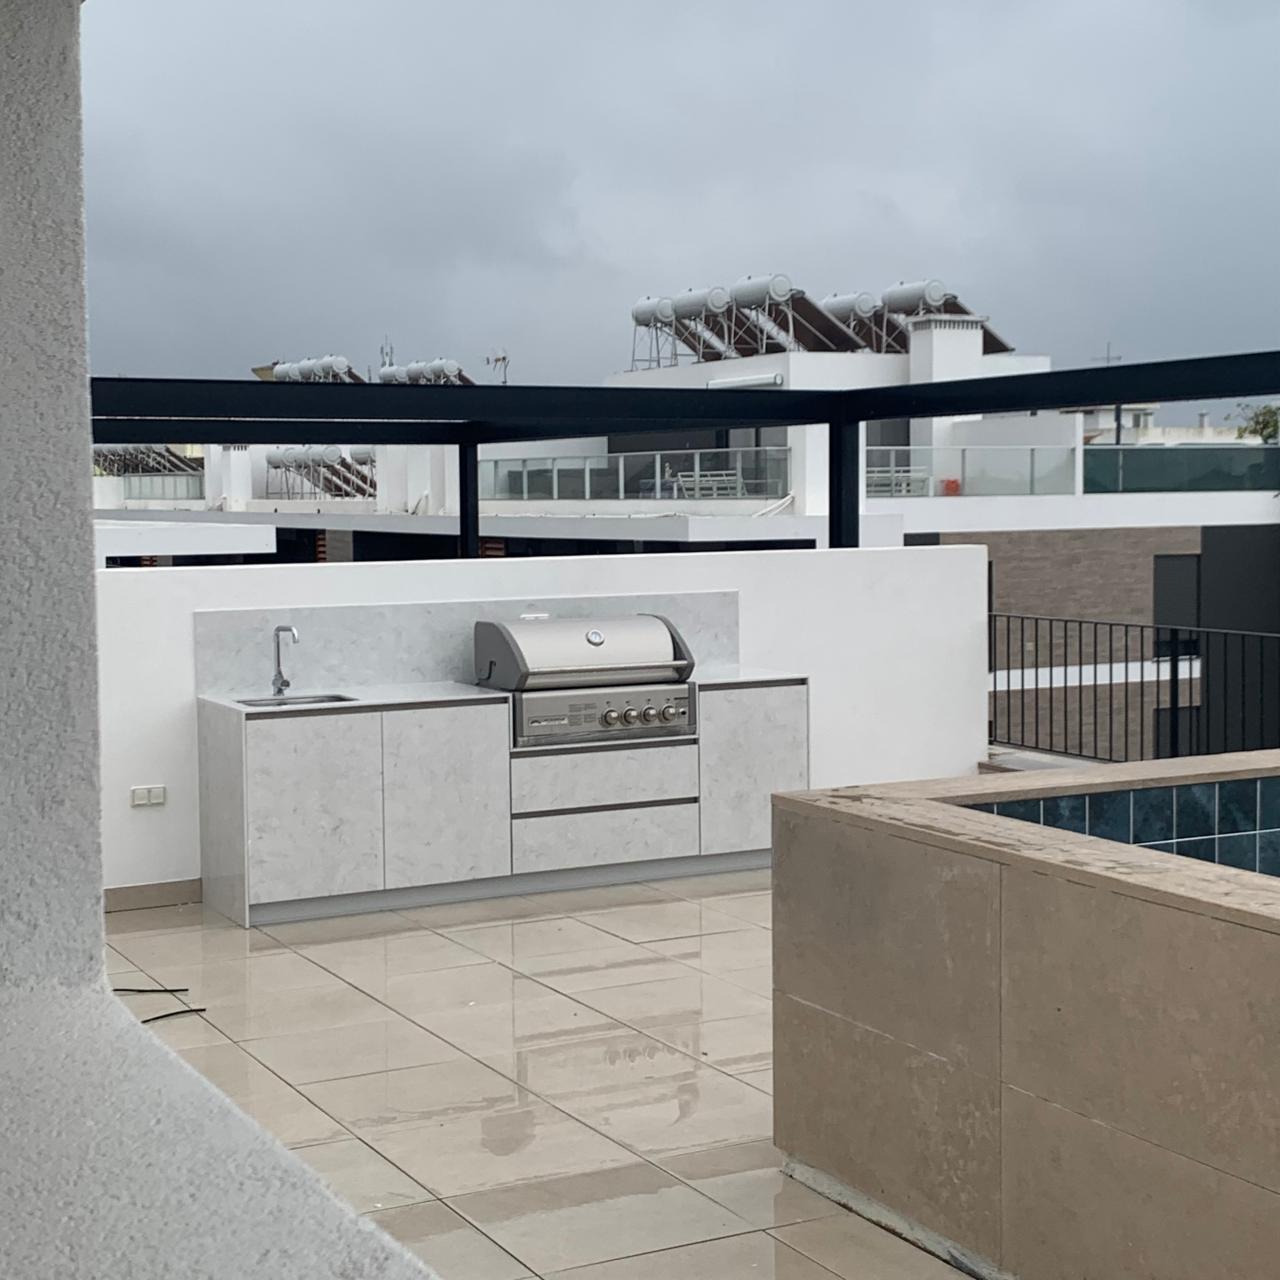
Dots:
pixel 571 1085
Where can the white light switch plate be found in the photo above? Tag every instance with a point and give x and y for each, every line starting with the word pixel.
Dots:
pixel 143 797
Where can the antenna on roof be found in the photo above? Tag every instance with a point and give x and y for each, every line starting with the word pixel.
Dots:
pixel 499 360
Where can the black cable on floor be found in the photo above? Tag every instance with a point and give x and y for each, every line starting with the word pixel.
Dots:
pixel 148 991
pixel 173 1013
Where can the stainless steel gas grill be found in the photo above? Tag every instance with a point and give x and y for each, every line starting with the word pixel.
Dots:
pixel 590 679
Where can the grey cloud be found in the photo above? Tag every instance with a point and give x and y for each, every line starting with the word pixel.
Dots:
pixel 276 179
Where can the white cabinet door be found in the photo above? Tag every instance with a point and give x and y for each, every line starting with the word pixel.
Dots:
pixel 753 741
pixel 314 805
pixel 447 793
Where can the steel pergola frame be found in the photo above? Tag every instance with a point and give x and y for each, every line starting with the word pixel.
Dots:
pixel 213 411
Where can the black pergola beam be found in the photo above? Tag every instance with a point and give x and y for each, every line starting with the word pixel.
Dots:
pixel 1201 378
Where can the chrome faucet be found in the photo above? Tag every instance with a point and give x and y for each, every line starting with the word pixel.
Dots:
pixel 278 683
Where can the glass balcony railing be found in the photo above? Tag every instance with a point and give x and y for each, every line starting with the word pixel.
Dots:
pixel 691 474
pixel 1181 468
pixel 175 486
pixel 969 470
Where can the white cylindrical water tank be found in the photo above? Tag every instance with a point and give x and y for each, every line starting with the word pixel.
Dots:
pixel 907 299
pixel 361 453
pixel 275 458
pixel 653 311
pixel 759 291
pixel 850 306
pixel 309 369
pixel 392 373
pixel 697 302
pixel 442 369
pixel 416 371
pixel 286 372
pixel 339 366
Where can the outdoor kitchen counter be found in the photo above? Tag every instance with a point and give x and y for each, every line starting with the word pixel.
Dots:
pixel 726 676
pixel 376 697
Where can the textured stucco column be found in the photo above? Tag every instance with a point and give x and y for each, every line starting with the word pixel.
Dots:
pixel 117 1161
pixel 50 912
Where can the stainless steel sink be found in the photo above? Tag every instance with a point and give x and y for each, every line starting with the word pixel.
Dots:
pixel 297 700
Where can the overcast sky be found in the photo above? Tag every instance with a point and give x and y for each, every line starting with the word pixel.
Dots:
pixel 281 178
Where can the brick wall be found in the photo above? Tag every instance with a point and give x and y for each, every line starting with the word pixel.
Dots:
pixel 1079 573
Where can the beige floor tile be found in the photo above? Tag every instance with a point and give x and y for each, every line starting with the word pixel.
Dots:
pixel 115 962
pixel 755 908
pixel 149 1006
pixel 450 1245
pixel 616 965
pixel 361 1177
pixel 573 1221
pixel 653 920
pixel 151 920
pixel 717 884
pixel 571 901
pixel 735 1045
pixel 276 1106
pixel 762 1080
pixel 855 1249
pixel 124 979
pixel 334 1052
pixel 448 915
pixel 486 983
pixel 720 952
pixel 371 963
pixel 371 924
pixel 278 1013
pixel 239 981
pixel 458 1127
pixel 191 1032
pixel 759 979
pixel 751 1257
pixel 189 947
pixel 532 1018
pixel 697 997
pixel 516 941
pixel 749 1181
pixel 644 1094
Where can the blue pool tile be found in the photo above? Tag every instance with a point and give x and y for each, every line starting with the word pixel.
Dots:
pixel 1269 853
pixel 1239 851
pixel 1270 803
pixel 1238 806
pixel 983 808
pixel 1111 816
pixel 1026 810
pixel 1064 812
pixel 1152 815
pixel 1205 849
pixel 1195 811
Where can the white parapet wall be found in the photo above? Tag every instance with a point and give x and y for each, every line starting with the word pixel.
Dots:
pixel 893 642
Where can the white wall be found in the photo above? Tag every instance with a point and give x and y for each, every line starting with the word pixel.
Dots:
pixel 894 642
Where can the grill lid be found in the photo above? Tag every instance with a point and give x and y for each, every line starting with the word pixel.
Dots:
pixel 561 653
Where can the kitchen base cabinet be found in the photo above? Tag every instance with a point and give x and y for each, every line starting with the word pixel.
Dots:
pixel 599 837
pixel 313 805
pixel 447 794
pixel 754 740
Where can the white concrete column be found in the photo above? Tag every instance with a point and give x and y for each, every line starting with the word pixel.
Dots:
pixel 50 880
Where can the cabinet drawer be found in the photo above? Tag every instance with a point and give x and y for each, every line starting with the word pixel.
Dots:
pixel 599 837
pixel 576 780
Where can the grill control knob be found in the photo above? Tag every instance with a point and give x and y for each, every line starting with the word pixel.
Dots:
pixel 610 718
pixel 649 715
pixel 630 716
pixel 669 713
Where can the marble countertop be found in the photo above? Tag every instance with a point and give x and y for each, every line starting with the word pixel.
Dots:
pixel 719 674
pixel 366 697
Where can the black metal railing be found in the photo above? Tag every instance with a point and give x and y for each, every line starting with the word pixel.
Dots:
pixel 1130 691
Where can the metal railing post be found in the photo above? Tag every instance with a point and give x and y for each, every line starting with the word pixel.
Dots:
pixel 1175 711
pixel 657 475
pixel 1031 453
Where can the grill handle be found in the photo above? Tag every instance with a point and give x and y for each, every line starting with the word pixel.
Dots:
pixel 676 664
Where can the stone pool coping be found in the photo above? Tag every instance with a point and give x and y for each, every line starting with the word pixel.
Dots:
pixel 934 812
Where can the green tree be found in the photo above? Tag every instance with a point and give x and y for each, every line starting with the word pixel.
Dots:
pixel 1261 420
